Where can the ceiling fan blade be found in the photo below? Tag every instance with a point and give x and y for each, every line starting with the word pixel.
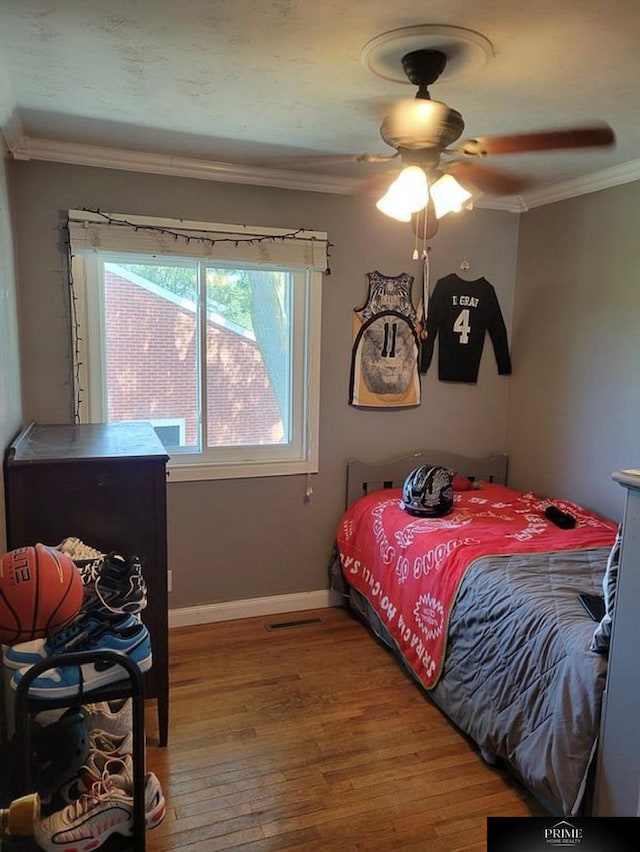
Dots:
pixel 378 182
pixel 485 178
pixel 594 136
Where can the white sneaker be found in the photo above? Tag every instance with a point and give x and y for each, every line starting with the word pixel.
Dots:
pixel 95 764
pixel 113 745
pixel 77 550
pixel 111 717
pixel 105 810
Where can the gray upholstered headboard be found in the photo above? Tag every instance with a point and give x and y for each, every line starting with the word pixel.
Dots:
pixel 363 477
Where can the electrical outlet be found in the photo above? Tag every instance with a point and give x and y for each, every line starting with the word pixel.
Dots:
pixel 169 581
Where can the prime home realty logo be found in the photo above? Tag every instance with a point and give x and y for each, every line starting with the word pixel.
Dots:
pixel 563 834
pixel 546 834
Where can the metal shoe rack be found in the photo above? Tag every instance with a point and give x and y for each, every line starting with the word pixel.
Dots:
pixel 131 686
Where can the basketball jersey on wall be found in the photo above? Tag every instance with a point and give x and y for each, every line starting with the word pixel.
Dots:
pixel 386 345
pixel 460 314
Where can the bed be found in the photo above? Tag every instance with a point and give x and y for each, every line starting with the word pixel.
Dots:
pixel 481 606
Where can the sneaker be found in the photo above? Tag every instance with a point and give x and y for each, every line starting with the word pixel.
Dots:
pixel 60 750
pixel 130 637
pixel 14 656
pixel 110 745
pixel 112 717
pixel 77 550
pixel 86 558
pixel 63 641
pixel 119 585
pixel 105 810
pixel 117 581
pixel 95 764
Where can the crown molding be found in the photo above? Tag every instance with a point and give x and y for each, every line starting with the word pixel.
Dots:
pixel 72 153
pixel 604 179
pixel 12 131
pixel 23 147
pixel 510 203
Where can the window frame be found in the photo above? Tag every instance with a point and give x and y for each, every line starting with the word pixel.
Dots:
pixel 300 456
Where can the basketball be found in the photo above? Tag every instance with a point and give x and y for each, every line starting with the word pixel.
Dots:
pixel 40 590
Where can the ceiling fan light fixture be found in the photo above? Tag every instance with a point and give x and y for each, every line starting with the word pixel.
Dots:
pixel 393 210
pixel 448 196
pixel 407 194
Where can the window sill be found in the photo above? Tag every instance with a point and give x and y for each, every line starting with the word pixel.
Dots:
pixel 198 472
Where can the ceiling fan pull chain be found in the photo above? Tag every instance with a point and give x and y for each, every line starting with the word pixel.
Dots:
pixel 426 222
pixel 426 296
pixel 426 285
pixel 416 255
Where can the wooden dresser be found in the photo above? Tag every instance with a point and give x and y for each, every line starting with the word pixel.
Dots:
pixel 104 483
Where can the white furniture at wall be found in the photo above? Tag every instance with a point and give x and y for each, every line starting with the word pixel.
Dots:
pixel 617 788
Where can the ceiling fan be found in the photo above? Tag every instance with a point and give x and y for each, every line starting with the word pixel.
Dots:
pixel 438 165
pixel 440 171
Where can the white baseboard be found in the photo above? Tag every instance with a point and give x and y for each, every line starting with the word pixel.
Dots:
pixel 251 607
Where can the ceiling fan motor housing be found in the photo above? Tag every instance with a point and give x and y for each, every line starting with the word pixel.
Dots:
pixel 423 67
pixel 421 123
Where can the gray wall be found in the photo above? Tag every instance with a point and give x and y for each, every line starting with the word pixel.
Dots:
pixel 236 539
pixel 10 401
pixel 574 400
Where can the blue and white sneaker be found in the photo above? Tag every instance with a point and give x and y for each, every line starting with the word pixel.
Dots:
pixel 23 654
pixel 130 637
pixel 63 641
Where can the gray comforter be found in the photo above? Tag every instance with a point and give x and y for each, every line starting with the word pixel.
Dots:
pixel 519 677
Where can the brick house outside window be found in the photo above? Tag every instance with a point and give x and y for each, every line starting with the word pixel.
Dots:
pixel 150 353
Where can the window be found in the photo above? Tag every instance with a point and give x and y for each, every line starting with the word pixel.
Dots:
pixel 217 347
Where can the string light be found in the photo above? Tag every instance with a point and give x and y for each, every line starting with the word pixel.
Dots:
pixel 252 239
pixel 75 331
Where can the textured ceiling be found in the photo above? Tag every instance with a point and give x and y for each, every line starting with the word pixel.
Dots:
pixel 248 81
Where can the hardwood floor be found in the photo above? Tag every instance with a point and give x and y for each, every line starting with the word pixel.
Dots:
pixel 313 738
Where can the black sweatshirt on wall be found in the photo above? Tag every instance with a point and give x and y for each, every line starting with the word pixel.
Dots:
pixel 460 312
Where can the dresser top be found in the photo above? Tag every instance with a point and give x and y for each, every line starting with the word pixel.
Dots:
pixel 62 442
pixel 629 478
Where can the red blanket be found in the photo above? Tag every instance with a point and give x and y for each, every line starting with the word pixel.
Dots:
pixel 409 568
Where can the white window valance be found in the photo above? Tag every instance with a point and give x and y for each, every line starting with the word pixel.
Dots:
pixel 91 231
